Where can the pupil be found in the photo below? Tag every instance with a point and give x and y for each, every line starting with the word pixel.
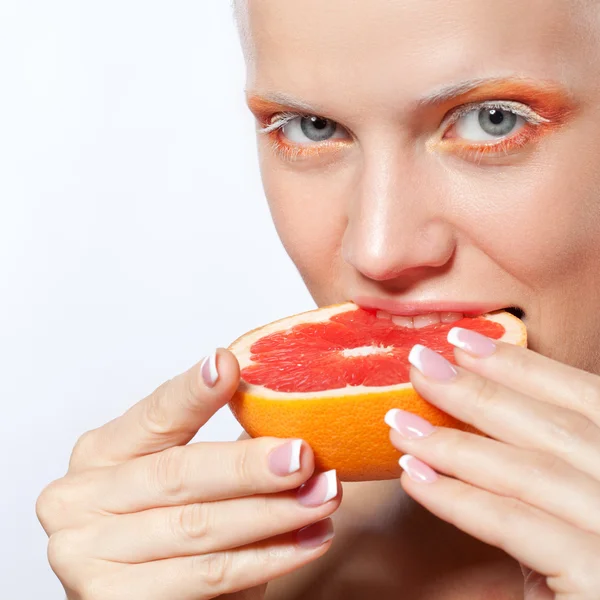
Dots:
pixel 318 122
pixel 496 117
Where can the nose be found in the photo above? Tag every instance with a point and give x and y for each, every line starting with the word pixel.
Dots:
pixel 397 227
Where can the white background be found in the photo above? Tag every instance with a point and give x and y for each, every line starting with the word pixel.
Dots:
pixel 134 235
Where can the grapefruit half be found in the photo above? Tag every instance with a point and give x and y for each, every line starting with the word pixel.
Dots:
pixel 330 375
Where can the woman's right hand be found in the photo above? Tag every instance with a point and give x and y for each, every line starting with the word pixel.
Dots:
pixel 143 514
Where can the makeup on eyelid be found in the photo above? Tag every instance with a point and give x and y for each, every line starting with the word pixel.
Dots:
pixel 543 106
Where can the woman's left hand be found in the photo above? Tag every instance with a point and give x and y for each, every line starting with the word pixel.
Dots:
pixel 533 490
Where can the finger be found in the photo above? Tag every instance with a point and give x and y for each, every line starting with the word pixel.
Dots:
pixel 207 576
pixel 506 414
pixel 535 586
pixel 529 535
pixel 170 416
pixel 202 472
pixel 529 373
pixel 255 593
pixel 533 477
pixel 209 527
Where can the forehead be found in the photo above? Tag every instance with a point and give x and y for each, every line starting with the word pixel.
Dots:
pixel 383 49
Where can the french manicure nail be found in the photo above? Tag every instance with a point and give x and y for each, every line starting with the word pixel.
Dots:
pixel 285 460
pixel 408 425
pixel 431 364
pixel 315 535
pixel 209 371
pixel 471 342
pixel 417 470
pixel 319 489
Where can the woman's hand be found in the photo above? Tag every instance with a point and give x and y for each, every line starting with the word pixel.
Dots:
pixel 140 514
pixel 534 489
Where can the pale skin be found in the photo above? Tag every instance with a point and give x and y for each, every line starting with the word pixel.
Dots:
pixel 390 207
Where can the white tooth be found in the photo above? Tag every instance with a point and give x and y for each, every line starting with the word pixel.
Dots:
pixel 403 321
pixel 451 317
pixel 383 315
pixel 425 320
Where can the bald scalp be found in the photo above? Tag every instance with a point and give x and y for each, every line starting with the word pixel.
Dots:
pixel 240 15
pixel 585 12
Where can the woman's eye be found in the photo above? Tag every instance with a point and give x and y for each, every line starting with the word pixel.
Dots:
pixel 304 130
pixel 488 124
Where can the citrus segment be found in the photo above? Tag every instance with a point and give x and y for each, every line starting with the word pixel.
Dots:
pixel 352 348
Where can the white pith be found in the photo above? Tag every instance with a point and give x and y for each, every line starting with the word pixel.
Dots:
pixel 366 351
pixel 241 349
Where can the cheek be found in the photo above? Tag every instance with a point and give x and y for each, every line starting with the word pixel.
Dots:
pixel 309 213
pixel 540 222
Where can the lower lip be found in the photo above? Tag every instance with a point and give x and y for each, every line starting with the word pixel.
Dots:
pixel 412 310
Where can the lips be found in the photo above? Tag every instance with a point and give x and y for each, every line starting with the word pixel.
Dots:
pixel 421 314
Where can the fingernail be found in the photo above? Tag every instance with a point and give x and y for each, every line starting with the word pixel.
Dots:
pixel 285 459
pixel 431 364
pixel 315 535
pixel 417 470
pixel 319 489
pixel 209 371
pixel 471 342
pixel 408 425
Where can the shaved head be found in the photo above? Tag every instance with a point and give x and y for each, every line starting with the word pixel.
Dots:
pixel 240 14
pixel 586 12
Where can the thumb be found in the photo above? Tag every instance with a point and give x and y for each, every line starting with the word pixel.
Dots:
pixel 170 416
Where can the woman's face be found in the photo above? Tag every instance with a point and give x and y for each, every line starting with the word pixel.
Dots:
pixel 437 156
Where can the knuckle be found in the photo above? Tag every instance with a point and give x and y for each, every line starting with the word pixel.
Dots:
pixel 215 570
pixel 155 420
pixel 45 506
pixel 243 467
pixel 455 444
pixel 484 394
pixel 52 504
pixel 169 476
pixel 588 393
pixel 452 450
pixel 516 360
pixel 193 521
pixel 84 449
pixel 191 390
pixel 63 550
pixel 532 476
pixel 268 511
pixel 541 466
pixel 568 431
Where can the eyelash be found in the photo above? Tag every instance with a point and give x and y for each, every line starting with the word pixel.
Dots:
pixel 534 126
pixel 288 150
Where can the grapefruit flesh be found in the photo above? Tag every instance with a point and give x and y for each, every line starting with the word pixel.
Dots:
pixel 330 375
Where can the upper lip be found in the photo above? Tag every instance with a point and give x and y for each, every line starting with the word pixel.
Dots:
pixel 408 308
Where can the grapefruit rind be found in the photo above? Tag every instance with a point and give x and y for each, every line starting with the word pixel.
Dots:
pixel 345 426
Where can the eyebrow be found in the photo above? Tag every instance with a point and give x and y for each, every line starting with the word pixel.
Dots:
pixel 543 94
pixel 512 87
pixel 268 100
pixel 449 92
